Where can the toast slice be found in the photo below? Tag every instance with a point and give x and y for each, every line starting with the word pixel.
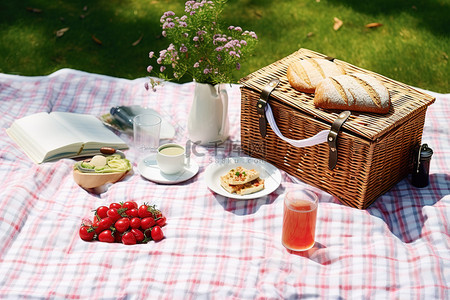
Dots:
pixel 253 186
pixel 240 175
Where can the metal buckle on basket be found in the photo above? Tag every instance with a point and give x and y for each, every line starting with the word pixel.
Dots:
pixel 262 103
pixel 332 138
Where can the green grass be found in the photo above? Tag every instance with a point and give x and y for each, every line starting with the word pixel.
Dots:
pixel 412 46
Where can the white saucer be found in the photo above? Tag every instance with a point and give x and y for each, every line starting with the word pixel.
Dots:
pixel 270 174
pixel 151 171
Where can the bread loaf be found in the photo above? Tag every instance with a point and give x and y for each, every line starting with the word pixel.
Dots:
pixel 357 92
pixel 305 74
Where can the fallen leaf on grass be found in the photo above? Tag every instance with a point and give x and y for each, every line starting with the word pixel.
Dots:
pixel 258 13
pixel 35 10
pixel 372 25
pixel 138 40
pixel 60 33
pixel 96 40
pixel 337 24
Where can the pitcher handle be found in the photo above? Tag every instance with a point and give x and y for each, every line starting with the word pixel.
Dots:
pixel 223 93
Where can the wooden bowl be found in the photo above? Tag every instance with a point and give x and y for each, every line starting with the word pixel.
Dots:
pixel 96 180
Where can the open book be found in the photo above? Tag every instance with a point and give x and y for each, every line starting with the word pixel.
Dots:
pixel 50 136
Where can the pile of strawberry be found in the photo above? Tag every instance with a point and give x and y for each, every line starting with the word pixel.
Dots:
pixel 125 223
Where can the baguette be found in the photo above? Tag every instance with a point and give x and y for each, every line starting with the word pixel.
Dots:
pixel 356 92
pixel 305 74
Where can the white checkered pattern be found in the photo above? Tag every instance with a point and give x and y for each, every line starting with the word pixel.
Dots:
pixel 215 247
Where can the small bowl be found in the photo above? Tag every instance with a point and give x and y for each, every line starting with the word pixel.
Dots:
pixel 96 180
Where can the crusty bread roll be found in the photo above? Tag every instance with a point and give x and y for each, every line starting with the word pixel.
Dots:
pixel 305 74
pixel 357 92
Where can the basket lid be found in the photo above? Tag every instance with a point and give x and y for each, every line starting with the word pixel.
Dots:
pixel 405 101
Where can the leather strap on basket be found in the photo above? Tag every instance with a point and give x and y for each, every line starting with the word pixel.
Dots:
pixel 332 138
pixel 266 116
pixel 262 104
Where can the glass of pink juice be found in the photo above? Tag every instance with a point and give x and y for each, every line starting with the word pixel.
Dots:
pixel 299 219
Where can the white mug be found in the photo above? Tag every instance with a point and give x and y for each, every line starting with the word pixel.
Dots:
pixel 171 158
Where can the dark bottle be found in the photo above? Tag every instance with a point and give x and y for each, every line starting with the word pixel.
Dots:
pixel 122 115
pixel 421 172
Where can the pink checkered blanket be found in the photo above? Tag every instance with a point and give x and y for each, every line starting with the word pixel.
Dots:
pixel 215 247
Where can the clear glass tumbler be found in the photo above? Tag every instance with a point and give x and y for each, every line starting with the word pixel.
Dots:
pixel 146 130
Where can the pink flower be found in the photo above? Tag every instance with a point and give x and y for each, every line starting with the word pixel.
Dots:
pixel 150 54
pixel 162 69
pixel 250 33
pixel 149 68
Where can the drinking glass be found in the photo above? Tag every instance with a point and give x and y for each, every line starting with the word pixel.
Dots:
pixel 146 130
pixel 299 219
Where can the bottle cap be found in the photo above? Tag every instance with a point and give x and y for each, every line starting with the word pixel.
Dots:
pixel 425 152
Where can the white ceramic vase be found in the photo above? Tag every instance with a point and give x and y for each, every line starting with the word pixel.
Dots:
pixel 208 119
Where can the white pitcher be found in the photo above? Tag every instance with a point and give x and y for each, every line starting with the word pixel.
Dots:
pixel 208 119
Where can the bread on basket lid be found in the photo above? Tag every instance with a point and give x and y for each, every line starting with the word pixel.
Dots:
pixel 355 92
pixel 305 74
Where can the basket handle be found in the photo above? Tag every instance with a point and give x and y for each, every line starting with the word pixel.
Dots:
pixel 266 116
pixel 329 136
pixel 319 138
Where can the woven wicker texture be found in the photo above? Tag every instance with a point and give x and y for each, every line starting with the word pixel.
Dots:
pixel 374 151
pixel 405 100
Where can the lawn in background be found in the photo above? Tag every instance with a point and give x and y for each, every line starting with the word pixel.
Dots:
pixel 411 43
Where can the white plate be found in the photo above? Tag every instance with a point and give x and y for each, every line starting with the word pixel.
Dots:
pixel 270 174
pixel 151 171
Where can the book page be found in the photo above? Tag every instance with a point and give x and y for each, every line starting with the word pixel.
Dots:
pixel 44 132
pixel 88 129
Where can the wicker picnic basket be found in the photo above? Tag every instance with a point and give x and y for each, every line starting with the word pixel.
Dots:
pixel 374 151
